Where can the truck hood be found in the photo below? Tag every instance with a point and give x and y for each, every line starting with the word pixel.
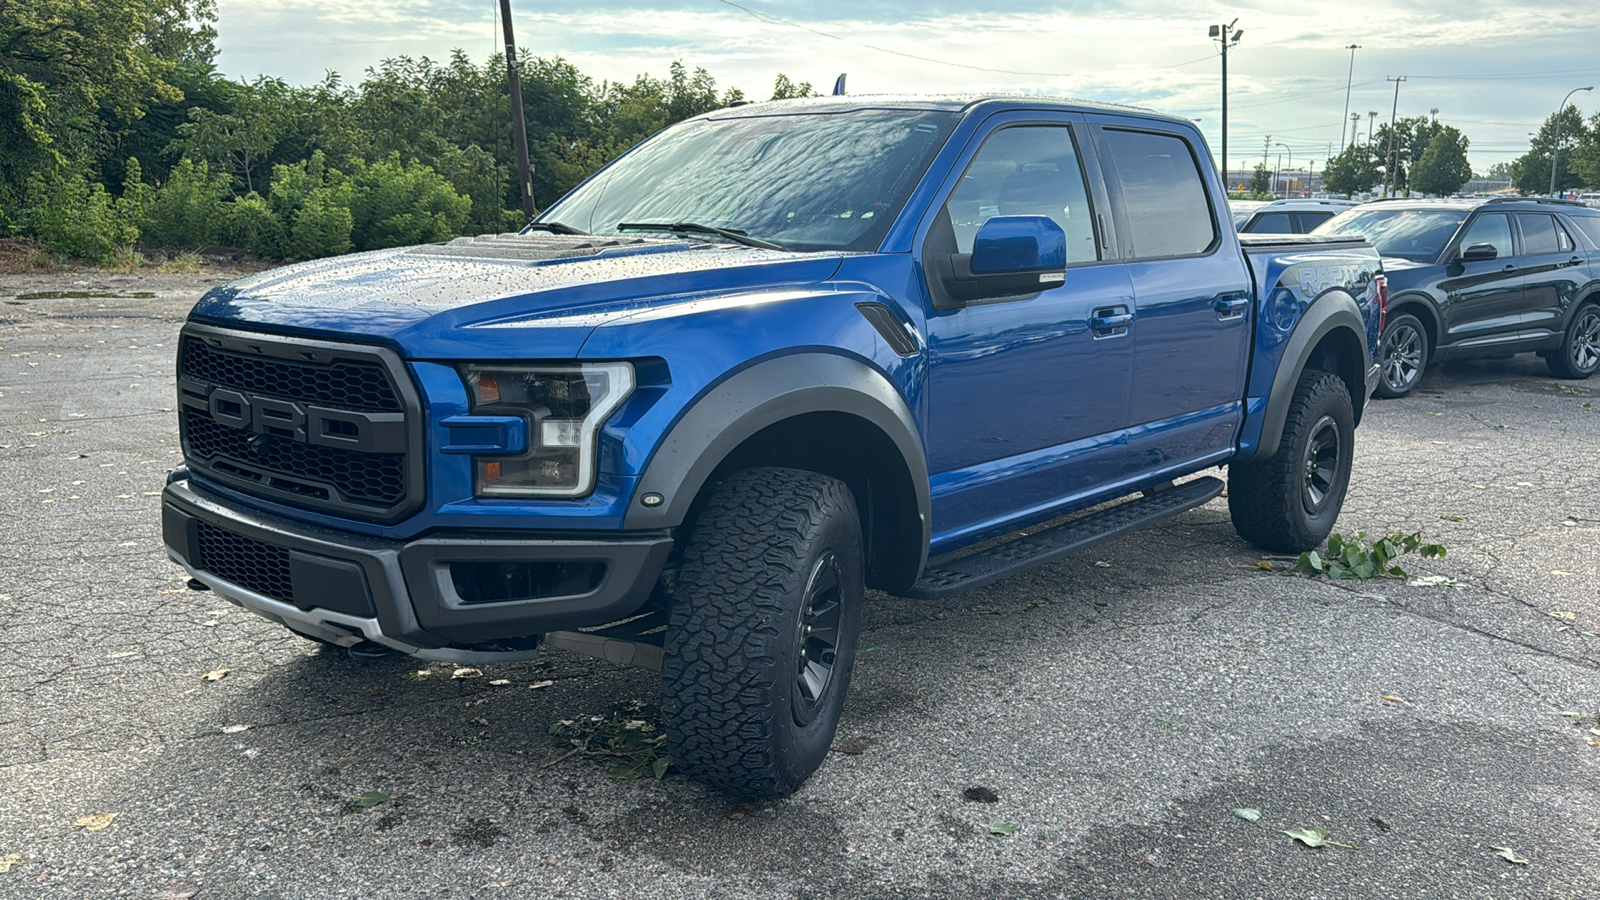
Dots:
pixel 527 296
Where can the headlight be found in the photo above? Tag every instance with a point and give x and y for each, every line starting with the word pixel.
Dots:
pixel 565 407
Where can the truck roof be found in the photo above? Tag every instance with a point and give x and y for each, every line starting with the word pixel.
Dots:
pixel 958 103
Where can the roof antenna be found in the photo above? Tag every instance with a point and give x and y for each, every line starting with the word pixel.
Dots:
pixel 838 86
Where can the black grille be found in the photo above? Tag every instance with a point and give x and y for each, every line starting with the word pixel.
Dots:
pixel 375 478
pixel 309 423
pixel 247 562
pixel 347 384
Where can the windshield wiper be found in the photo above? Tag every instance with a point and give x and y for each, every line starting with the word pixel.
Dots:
pixel 731 234
pixel 555 227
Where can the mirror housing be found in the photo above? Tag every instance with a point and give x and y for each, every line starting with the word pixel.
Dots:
pixel 1011 255
pixel 1479 253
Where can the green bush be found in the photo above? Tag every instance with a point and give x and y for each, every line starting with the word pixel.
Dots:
pixel 311 204
pixel 248 224
pixel 188 210
pixel 395 205
pixel 75 218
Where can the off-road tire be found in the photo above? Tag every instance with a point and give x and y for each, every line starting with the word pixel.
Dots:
pixel 1579 354
pixel 1289 502
pixel 767 544
pixel 1402 357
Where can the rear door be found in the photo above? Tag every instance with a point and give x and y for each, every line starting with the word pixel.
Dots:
pixel 1483 298
pixel 1552 268
pixel 1192 296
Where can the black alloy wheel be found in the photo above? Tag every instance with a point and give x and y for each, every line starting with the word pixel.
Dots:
pixel 817 638
pixel 1321 465
pixel 1579 354
pixel 1402 356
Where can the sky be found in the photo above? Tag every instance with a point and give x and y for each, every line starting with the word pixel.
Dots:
pixel 1495 70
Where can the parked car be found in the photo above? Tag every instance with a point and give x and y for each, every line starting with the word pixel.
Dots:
pixel 1289 216
pixel 1483 278
pixel 772 356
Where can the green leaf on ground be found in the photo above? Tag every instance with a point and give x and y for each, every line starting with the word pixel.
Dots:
pixel 373 798
pixel 1509 855
pixel 1001 828
pixel 1314 837
pixel 1453 517
pixel 1247 814
pixel 1433 581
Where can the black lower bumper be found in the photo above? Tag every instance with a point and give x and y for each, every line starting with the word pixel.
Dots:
pixel 410 595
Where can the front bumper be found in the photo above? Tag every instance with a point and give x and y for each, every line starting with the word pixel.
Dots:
pixel 344 587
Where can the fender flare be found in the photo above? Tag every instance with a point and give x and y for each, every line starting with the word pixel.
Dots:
pixel 737 408
pixel 1332 312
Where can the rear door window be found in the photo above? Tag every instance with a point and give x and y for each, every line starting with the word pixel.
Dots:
pixel 1273 223
pixel 1310 220
pixel 1493 229
pixel 1538 234
pixel 1164 195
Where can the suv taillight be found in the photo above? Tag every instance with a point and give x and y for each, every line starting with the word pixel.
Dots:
pixel 1383 301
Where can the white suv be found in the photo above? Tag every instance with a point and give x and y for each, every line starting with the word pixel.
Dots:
pixel 1291 216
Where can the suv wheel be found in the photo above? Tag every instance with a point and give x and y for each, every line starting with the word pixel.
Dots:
pixel 1403 356
pixel 1579 354
pixel 762 636
pixel 1289 502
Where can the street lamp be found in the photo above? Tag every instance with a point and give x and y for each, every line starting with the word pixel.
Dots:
pixel 1555 149
pixel 1355 129
pixel 1347 80
pixel 1291 161
pixel 1226 37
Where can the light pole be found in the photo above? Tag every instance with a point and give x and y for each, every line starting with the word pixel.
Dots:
pixel 1227 37
pixel 1388 169
pixel 1355 129
pixel 1347 81
pixel 1291 160
pixel 1555 149
pixel 1372 124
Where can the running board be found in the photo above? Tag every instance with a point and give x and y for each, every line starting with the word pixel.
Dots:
pixel 986 567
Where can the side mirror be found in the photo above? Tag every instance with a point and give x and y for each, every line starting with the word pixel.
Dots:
pixel 1479 253
pixel 1011 255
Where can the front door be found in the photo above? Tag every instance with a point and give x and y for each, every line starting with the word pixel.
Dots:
pixel 1027 393
pixel 1483 298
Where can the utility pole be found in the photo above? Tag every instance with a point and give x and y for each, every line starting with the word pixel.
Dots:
pixel 1347 81
pixel 1372 124
pixel 1227 37
pixel 519 125
pixel 1388 168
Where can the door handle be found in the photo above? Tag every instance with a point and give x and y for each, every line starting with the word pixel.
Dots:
pixel 1110 321
pixel 1575 261
pixel 1509 268
pixel 1232 306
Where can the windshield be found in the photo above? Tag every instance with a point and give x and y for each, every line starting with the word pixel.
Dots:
pixel 818 181
pixel 1418 235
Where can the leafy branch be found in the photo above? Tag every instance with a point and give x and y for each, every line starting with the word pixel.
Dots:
pixel 630 734
pixel 1353 557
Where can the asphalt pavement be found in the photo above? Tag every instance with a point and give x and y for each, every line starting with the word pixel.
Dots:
pixel 1119 706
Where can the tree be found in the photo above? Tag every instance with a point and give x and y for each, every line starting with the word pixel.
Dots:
pixel 784 89
pixel 1443 167
pixel 1411 139
pixel 1352 171
pixel 1532 169
pixel 1585 163
pixel 1261 180
pixel 240 140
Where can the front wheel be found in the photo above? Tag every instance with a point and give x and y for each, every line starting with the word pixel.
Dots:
pixel 1289 502
pixel 762 636
pixel 1579 354
pixel 1402 357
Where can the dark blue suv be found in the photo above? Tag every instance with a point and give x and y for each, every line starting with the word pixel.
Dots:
pixel 1483 278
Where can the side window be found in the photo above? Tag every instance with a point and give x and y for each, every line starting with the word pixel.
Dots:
pixel 1538 234
pixel 1310 220
pixel 1590 225
pixel 1026 170
pixel 1273 223
pixel 1164 192
pixel 1494 229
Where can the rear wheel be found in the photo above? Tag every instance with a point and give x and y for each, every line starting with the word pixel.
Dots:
pixel 1289 502
pixel 1402 356
pixel 762 636
pixel 1579 354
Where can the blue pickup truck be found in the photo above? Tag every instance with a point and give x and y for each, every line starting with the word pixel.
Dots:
pixel 771 357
